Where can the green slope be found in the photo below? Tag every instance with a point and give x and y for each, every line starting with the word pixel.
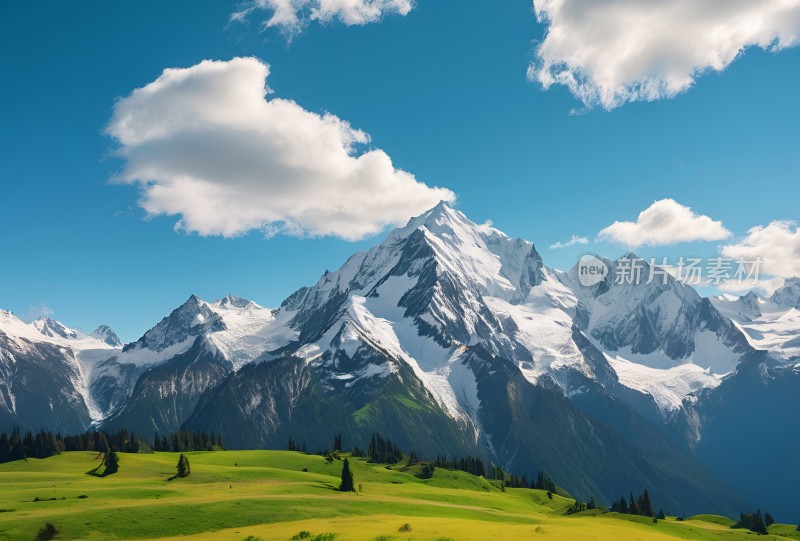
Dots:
pixel 276 494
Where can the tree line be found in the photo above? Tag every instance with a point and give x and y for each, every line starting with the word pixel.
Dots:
pixel 543 481
pixel 186 440
pixel 639 506
pixel 755 522
pixel 382 450
pixel 470 464
pixel 43 444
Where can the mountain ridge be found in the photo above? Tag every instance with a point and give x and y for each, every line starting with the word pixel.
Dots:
pixel 449 334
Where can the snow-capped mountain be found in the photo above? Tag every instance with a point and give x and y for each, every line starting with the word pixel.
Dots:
pixel 787 295
pixel 659 322
pixel 448 336
pixel 44 369
pixel 107 335
pixel 184 355
pixel 771 324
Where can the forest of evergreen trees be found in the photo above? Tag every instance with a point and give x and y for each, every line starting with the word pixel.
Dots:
pixel 185 440
pixel 469 464
pixel 639 506
pixel 383 451
pixel 755 522
pixel 43 444
pixel 542 482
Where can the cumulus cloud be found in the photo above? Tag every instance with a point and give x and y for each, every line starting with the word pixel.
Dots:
pixel 206 144
pixel 663 223
pixel 609 52
pixel 575 239
pixel 291 16
pixel 777 245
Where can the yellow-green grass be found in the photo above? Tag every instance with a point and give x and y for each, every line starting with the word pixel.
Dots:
pixel 231 495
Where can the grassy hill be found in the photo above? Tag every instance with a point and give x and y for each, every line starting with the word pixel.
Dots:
pixel 232 495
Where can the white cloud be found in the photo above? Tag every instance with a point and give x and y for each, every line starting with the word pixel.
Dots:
pixel 205 144
pixel 777 245
pixel 575 239
pixel 35 311
pixel 291 16
pixel 664 222
pixel 609 52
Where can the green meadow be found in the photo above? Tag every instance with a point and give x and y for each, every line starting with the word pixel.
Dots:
pixel 251 495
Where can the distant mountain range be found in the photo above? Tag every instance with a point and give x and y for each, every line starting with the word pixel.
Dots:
pixel 452 338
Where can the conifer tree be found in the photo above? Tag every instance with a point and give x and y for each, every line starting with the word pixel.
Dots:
pixel 647 506
pixel 758 524
pixel 184 469
pixel 111 462
pixel 347 484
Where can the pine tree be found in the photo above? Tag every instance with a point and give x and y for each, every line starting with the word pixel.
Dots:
pixel 758 524
pixel 111 462
pixel 661 515
pixel 347 478
pixel 647 506
pixel 184 469
pixel 102 443
pixel 632 508
pixel 623 505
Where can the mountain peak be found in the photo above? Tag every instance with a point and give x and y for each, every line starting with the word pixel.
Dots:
pixel 190 319
pixel 107 335
pixel 52 328
pixel 749 296
pixel 437 217
pixel 789 294
pixel 232 301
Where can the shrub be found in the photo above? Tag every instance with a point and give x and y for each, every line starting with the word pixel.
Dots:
pixel 48 532
pixel 426 472
pixel 405 528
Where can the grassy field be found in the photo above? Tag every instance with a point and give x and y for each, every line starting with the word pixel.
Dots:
pixel 233 495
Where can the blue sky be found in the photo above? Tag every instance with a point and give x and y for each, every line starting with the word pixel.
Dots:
pixel 442 90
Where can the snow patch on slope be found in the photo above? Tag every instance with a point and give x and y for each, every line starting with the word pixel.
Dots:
pixel 667 387
pixel 545 321
pixel 776 328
